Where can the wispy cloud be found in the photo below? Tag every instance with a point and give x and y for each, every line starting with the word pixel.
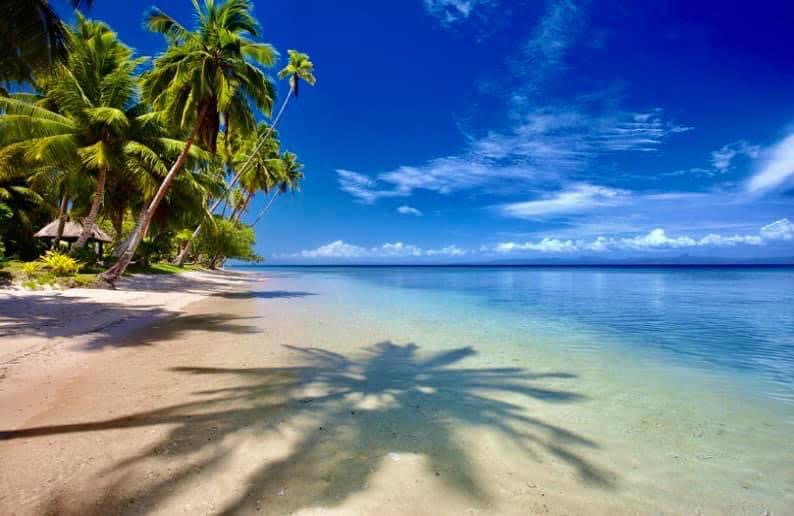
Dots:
pixel 777 167
pixel 362 187
pixel 555 34
pixel 547 144
pixel 409 210
pixel 721 159
pixel 782 229
pixel 451 11
pixel 576 199
pixel 542 143
pixel 342 250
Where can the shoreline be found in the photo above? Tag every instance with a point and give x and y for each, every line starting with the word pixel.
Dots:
pixel 316 394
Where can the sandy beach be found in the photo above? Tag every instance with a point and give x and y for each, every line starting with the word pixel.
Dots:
pixel 235 394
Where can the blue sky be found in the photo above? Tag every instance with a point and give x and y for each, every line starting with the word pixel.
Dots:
pixel 480 130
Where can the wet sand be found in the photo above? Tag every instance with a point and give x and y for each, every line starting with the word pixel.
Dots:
pixel 272 399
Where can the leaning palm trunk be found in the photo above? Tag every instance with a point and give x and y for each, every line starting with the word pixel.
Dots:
pixel 61 222
pixel 180 261
pixel 112 274
pixel 96 202
pixel 123 244
pixel 265 209
pixel 238 213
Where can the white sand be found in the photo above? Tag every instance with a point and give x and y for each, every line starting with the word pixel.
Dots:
pixel 44 334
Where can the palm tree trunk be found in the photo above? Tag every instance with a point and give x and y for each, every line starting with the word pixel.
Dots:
pixel 180 261
pixel 265 209
pixel 112 274
pixel 90 220
pixel 122 246
pixel 237 214
pixel 61 221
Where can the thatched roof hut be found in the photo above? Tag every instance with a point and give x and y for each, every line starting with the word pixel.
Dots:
pixel 71 232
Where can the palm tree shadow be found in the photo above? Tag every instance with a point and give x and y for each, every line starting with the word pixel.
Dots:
pixel 350 413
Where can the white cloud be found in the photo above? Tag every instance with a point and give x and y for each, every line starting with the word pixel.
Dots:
pixel 409 210
pixel 342 250
pixel 450 11
pixel 777 167
pixel 781 229
pixel 450 250
pixel 547 245
pixel 578 198
pixel 722 158
pixel 653 240
pixel 337 249
pixel 362 187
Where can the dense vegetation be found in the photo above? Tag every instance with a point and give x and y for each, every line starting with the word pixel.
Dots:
pixel 163 155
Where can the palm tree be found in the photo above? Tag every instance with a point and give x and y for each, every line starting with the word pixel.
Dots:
pixel 266 174
pixel 32 38
pixel 242 148
pixel 86 120
pixel 293 175
pixel 23 208
pixel 214 72
pixel 299 68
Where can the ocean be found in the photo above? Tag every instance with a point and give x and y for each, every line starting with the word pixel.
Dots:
pixel 667 389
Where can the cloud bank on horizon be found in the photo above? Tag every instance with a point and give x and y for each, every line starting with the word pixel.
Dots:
pixel 780 231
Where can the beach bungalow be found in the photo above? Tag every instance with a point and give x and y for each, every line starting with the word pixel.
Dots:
pixel 71 232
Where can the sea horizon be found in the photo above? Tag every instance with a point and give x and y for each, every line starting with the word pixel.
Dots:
pixel 740 265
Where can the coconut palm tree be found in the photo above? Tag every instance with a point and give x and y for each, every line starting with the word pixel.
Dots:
pixel 264 173
pixel 212 74
pixel 292 171
pixel 32 38
pixel 299 68
pixel 86 119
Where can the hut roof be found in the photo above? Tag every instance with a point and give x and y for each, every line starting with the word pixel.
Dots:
pixel 71 231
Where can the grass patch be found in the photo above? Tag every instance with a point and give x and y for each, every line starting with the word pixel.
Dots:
pixel 159 268
pixel 13 271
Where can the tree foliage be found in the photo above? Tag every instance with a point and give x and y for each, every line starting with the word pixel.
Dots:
pixel 92 138
pixel 226 239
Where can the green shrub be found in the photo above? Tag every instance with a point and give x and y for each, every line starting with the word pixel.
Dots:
pixel 60 264
pixel 47 279
pixel 29 269
pixel 226 239
pixel 86 255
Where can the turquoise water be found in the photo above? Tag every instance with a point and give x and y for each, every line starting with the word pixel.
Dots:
pixel 652 389
pixel 730 321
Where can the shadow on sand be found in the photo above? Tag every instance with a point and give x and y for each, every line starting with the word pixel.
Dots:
pixel 345 415
pixel 54 315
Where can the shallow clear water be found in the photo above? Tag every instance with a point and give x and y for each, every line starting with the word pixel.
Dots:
pixel 681 380
pixel 724 320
